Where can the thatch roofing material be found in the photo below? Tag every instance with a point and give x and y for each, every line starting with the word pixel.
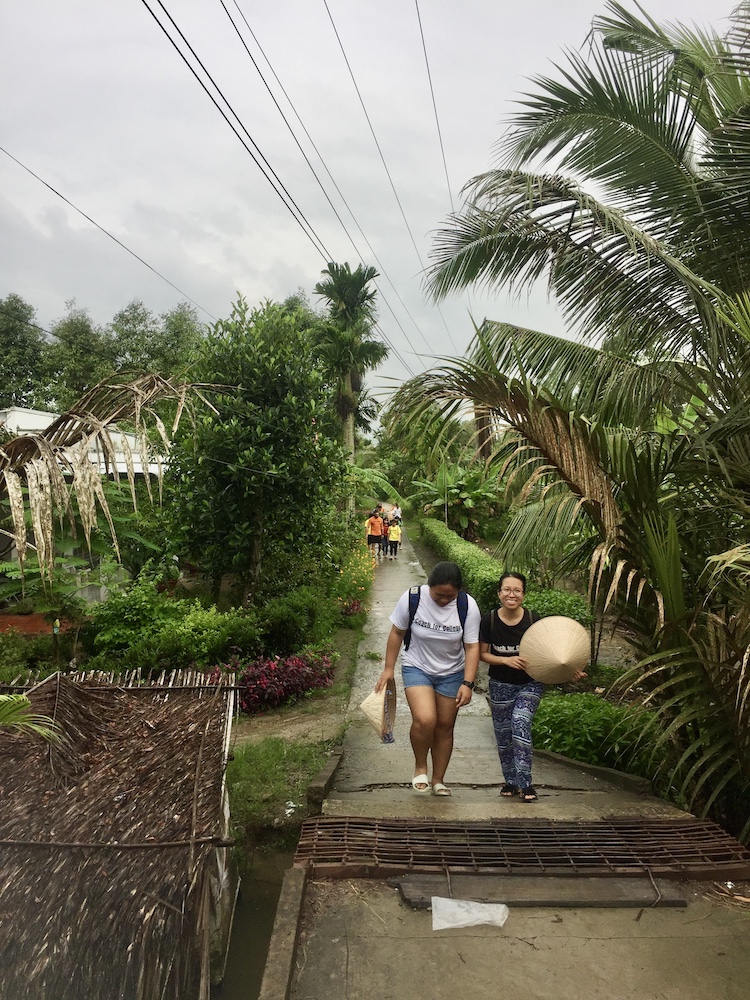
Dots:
pixel 106 842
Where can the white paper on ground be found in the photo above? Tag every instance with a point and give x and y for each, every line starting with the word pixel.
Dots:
pixel 466 913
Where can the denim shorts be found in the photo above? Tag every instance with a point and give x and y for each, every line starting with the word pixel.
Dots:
pixel 444 684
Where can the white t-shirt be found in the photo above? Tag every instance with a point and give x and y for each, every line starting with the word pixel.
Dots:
pixel 437 642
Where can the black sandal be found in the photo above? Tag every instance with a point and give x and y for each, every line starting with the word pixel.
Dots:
pixel 528 794
pixel 508 791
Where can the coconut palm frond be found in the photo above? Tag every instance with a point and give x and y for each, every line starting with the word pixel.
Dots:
pixel 542 531
pixel 519 228
pixel 623 390
pixel 16 714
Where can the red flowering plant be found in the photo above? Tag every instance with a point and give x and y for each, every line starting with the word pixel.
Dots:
pixel 268 682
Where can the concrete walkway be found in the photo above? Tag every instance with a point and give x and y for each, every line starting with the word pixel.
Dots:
pixel 356 939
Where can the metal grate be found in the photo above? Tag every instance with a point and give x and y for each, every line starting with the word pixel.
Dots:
pixel 367 847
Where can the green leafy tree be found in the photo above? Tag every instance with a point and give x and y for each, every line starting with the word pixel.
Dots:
pixel 24 368
pixel 143 341
pixel 344 343
pixel 637 443
pixel 81 355
pixel 247 481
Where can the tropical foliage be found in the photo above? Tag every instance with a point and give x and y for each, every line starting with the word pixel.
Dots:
pixel 345 346
pixel 634 446
pixel 460 496
pixel 16 715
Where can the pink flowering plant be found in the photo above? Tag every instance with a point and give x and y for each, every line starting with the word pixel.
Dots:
pixel 269 682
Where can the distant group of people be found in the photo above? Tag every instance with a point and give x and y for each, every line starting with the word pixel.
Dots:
pixel 384 532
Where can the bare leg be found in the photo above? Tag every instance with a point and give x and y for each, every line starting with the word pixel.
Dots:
pixel 442 741
pixel 424 720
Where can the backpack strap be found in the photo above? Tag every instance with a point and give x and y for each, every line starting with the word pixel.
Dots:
pixel 462 605
pixel 414 594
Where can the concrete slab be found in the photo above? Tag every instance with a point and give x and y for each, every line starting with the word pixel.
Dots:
pixel 358 941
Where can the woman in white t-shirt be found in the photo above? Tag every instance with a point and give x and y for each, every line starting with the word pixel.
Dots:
pixel 439 669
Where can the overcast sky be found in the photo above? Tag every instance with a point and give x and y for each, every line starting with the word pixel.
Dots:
pixel 97 103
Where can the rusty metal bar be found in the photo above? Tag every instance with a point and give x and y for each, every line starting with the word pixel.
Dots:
pixel 355 846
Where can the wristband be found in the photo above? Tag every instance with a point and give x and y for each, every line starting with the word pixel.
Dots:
pixel 469 684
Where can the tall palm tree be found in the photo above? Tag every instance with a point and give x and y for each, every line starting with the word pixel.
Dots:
pixel 344 341
pixel 638 441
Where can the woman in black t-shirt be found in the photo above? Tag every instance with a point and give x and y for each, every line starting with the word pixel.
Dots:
pixel 514 696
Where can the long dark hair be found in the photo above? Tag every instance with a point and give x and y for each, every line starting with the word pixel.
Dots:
pixel 446 572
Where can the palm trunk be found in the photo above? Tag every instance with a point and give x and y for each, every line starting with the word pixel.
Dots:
pixel 348 419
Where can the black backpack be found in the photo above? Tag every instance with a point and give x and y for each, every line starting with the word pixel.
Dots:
pixel 462 605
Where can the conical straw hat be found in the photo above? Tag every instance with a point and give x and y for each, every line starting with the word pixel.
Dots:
pixel 555 648
pixel 379 708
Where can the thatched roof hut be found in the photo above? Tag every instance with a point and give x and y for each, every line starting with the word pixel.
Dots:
pixel 114 861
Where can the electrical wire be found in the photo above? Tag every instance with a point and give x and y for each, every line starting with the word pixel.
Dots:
pixel 434 106
pixel 106 232
pixel 437 122
pixel 317 242
pixel 317 178
pixel 382 158
pixel 269 173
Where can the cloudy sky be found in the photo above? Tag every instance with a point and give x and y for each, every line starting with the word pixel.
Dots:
pixel 100 105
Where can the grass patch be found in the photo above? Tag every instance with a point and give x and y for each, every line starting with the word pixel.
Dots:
pixel 267 784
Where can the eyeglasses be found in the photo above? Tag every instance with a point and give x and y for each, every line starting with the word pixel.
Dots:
pixel 516 593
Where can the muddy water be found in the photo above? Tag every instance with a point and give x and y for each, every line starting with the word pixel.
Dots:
pixel 253 923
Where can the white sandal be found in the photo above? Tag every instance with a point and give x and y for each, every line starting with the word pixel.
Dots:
pixel 440 789
pixel 420 779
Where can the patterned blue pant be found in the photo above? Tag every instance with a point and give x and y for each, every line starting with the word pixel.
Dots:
pixel 513 707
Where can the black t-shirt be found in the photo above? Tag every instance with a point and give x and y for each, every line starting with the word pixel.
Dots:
pixel 504 640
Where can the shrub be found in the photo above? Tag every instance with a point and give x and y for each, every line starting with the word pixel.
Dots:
pixel 268 683
pixel 301 618
pixel 585 727
pixel 354 578
pixel 157 633
pixel 559 602
pixel 128 617
pixel 35 654
pixel 481 573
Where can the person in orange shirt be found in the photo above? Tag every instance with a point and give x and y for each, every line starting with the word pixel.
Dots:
pixel 374 529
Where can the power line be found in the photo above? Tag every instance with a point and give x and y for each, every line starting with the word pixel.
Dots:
pixel 437 122
pixel 106 232
pixel 269 173
pixel 325 167
pixel 434 106
pixel 372 130
pixel 382 158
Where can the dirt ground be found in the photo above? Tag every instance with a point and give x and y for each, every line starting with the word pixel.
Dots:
pixel 34 624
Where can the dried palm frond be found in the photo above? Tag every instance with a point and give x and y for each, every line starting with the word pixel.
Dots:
pixel 56 467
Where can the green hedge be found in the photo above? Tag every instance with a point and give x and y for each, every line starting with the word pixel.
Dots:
pixel 481 573
pixel 585 727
